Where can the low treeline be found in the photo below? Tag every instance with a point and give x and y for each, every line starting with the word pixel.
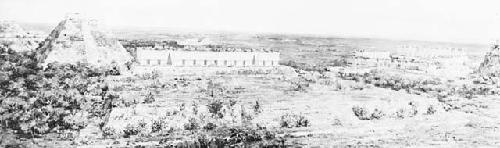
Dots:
pixel 420 85
pixel 319 67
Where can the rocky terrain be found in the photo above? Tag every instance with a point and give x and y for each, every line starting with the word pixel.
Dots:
pixel 315 98
pixel 491 61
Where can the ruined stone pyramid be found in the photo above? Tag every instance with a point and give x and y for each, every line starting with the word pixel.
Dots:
pixel 491 63
pixel 76 39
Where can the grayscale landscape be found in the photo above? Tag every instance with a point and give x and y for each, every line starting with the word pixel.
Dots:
pixel 85 77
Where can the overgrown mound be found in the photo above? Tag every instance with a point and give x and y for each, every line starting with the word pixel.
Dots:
pixel 10 29
pixel 491 63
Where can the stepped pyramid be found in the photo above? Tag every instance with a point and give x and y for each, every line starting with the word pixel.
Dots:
pixel 76 39
pixel 491 63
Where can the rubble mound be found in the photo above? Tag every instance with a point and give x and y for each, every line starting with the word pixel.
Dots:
pixel 14 37
pixel 10 29
pixel 491 63
pixel 78 40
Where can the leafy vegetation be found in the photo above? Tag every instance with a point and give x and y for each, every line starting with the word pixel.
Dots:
pixel 294 120
pixel 363 114
pixel 58 97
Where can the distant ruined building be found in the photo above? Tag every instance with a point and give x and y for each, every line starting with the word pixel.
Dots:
pixel 491 64
pixel 432 52
pixel 166 58
pixel 197 42
pixel 372 59
pixel 78 40
pixel 16 38
pixel 426 59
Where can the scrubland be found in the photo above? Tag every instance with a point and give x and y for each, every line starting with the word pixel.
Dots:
pixel 295 104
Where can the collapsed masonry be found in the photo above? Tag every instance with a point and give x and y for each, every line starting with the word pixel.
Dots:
pixel 14 37
pixel 78 40
pixel 491 63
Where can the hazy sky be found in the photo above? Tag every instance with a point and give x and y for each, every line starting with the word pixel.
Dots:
pixel 476 21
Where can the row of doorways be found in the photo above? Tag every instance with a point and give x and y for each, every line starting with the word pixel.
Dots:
pixel 185 62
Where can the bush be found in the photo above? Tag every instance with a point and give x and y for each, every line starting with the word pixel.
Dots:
pixel 394 82
pixel 257 108
pixel 293 120
pixel 232 137
pixel 210 126
pixel 157 126
pixel 214 107
pixel 363 114
pixel 108 132
pixel 400 113
pixel 194 107
pixel 377 114
pixel 337 122
pixel 406 112
pixel 134 129
pixel 150 76
pixel 431 110
pixel 130 130
pixel 149 98
pixel 299 85
pixel 192 124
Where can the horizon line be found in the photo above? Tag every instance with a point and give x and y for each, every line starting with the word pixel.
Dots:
pixel 229 31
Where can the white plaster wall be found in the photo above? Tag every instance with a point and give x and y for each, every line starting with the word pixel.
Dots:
pixel 213 59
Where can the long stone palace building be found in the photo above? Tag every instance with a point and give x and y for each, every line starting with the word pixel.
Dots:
pixel 165 58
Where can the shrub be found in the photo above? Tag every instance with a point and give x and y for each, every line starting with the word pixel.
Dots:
pixel 108 132
pixel 405 113
pixel 210 126
pixel 134 129
pixel 293 120
pixel 400 113
pixel 130 130
pixel 192 124
pixel 214 107
pixel 377 114
pixel 156 126
pixel 257 108
pixel 300 86
pixel 337 122
pixel 194 106
pixel 150 76
pixel 431 110
pixel 363 114
pixel 246 118
pixel 233 137
pixel 472 124
pixel 243 135
pixel 149 98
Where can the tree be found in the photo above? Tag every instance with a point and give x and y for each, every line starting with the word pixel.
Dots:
pixel 58 97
